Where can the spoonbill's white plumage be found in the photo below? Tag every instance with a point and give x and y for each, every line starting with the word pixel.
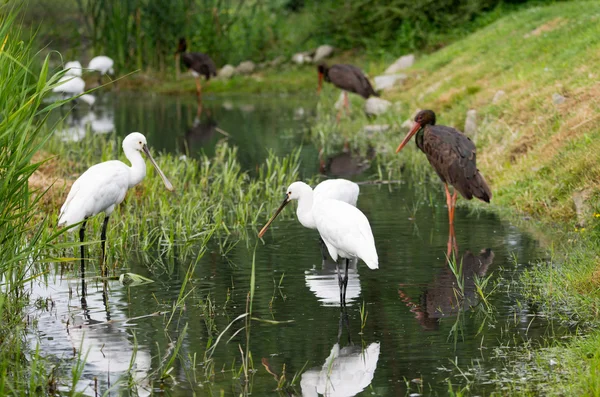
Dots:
pixel 73 68
pixel 344 229
pixel 103 186
pixel 103 65
pixel 71 86
pixel 346 232
pixel 337 189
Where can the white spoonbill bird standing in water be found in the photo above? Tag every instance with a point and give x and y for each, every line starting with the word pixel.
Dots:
pixel 103 186
pixel 70 86
pixel 103 65
pixel 337 189
pixel 345 230
pixel 73 68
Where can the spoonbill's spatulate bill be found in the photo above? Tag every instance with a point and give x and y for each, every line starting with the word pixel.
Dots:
pixel 103 186
pixel 452 156
pixel 344 229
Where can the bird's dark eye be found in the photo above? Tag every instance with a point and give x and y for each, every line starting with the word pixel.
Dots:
pixel 290 192
pixel 140 142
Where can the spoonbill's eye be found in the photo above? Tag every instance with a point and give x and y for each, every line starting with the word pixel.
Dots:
pixel 290 193
pixel 140 142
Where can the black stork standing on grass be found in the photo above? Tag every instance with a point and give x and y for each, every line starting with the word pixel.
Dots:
pixel 198 63
pixel 452 156
pixel 348 78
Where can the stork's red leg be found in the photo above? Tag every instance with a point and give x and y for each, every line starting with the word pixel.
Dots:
pixel 346 102
pixel 454 197
pixel 339 115
pixel 198 89
pixel 449 205
pixel 452 247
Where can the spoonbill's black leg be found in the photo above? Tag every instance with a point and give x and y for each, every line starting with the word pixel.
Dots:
pixel 346 280
pixel 103 244
pixel 81 238
pixel 340 283
pixel 323 249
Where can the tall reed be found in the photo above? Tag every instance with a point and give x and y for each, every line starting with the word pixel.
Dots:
pixel 24 233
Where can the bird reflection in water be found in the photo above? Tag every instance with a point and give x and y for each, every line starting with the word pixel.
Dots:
pixel 324 283
pixel 201 132
pixel 444 297
pixel 346 372
pixel 345 164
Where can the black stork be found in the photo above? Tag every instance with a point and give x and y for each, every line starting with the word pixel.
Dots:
pixel 348 78
pixel 199 64
pixel 452 156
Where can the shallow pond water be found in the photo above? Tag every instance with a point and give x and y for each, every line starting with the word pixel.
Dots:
pixel 405 328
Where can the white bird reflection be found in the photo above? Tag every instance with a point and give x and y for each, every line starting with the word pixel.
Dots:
pixel 87 323
pixel 324 283
pixel 76 127
pixel 346 372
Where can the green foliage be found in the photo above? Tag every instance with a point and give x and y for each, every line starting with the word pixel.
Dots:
pixel 23 233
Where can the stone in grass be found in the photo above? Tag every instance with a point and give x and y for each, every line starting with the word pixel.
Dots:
pixel 324 51
pixel 245 67
pixel 498 96
pixel 226 72
pixel 471 124
pixel 375 128
pixel 404 62
pixel 375 106
pixel 558 99
pixel 385 82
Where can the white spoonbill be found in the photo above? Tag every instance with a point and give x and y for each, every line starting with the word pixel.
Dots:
pixel 345 230
pixel 73 68
pixel 103 65
pixel 103 186
pixel 337 189
pixel 71 86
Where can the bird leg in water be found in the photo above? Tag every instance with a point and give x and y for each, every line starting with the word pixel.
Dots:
pixel 449 204
pixel 81 238
pixel 452 246
pixel 340 282
pixel 198 89
pixel 323 249
pixel 103 244
pixel 345 282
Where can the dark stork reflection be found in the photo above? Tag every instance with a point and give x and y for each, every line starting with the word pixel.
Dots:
pixel 345 164
pixel 348 78
pixel 198 63
pixel 444 297
pixel 347 371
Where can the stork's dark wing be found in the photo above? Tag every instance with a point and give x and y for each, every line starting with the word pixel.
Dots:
pixel 453 155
